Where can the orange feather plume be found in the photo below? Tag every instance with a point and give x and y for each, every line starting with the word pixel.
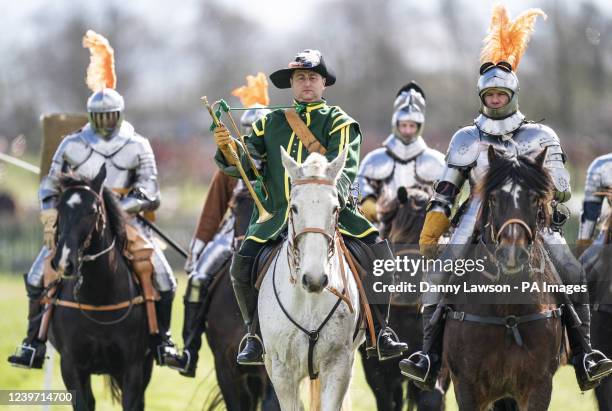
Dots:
pixel 255 91
pixel 507 40
pixel 101 70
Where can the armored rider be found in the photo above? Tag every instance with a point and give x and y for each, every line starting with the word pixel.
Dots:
pixel 502 125
pixel 307 75
pixel 597 187
pixel 131 170
pixel 404 160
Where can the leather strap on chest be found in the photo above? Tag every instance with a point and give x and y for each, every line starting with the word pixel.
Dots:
pixel 302 131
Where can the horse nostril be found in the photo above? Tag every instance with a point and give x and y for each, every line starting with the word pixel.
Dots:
pixel 325 280
pixel 523 256
pixel 305 281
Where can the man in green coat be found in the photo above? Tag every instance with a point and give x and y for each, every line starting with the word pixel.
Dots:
pixel 334 130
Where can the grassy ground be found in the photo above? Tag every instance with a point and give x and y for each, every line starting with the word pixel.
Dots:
pixel 169 391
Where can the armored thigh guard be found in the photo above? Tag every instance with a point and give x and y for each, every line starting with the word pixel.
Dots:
pixel 141 246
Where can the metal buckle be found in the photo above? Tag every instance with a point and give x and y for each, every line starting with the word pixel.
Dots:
pixel 511 321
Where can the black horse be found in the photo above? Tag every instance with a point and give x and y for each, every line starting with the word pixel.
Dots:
pixel 402 222
pixel 243 388
pixel 599 274
pixel 90 240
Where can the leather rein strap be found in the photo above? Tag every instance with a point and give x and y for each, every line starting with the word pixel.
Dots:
pixel 88 307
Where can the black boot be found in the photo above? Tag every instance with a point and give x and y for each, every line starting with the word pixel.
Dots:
pixel 423 367
pixel 246 296
pixel 591 366
pixel 31 353
pixel 387 344
pixel 163 344
pixel 194 325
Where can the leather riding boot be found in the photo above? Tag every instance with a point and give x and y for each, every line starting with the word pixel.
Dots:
pixel 164 346
pixel 590 365
pixel 31 353
pixel 194 325
pixel 387 344
pixel 246 296
pixel 423 366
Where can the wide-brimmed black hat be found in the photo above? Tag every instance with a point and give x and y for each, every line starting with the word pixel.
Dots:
pixel 306 60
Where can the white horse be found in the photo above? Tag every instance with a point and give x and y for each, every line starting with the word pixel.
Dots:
pixel 295 297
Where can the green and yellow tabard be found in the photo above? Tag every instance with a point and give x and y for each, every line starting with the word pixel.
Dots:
pixel 334 130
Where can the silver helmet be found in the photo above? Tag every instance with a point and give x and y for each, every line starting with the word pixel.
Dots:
pixel 409 105
pixel 105 111
pixel 498 76
pixel 250 116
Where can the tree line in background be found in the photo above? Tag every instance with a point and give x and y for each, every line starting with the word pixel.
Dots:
pixel 374 47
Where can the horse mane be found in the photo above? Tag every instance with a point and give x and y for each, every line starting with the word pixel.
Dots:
pixel 115 216
pixel 522 170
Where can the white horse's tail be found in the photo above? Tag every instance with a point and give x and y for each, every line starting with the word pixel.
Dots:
pixel 315 397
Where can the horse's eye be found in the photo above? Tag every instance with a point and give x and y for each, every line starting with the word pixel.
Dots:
pixel 294 209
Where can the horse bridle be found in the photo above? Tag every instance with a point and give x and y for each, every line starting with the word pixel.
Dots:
pixel 98 227
pixel 495 235
pixel 292 249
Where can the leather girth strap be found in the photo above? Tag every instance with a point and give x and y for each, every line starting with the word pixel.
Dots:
pixel 302 131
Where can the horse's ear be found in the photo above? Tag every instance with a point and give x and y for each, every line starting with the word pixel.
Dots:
pixel 98 180
pixel 540 158
pixel 334 169
pixel 492 154
pixel 290 164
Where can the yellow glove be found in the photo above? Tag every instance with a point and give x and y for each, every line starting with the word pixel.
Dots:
pixel 48 218
pixel 582 244
pixel 224 141
pixel 368 209
pixel 436 224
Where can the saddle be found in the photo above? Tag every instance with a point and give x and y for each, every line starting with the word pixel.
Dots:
pixel 263 260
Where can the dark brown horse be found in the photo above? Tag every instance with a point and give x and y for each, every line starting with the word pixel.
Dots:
pixel 90 241
pixel 243 388
pixel 600 293
pixel 500 350
pixel 402 221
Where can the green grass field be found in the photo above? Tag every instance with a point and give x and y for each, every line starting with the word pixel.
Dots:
pixel 169 391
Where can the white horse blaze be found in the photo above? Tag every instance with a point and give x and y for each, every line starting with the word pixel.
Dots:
pixel 75 199
pixel 514 190
pixel 64 257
